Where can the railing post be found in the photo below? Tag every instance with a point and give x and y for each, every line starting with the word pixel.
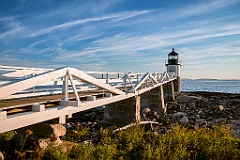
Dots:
pixel 65 87
pixel 125 83
pixel 107 78
pixel 137 78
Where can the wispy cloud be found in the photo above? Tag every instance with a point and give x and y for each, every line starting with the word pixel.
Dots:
pixel 117 17
pixel 204 8
pixel 110 35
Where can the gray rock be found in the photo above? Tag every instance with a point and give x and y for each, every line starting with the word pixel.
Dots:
pixel 235 124
pixel 44 143
pixel 94 124
pixel 107 115
pixel 146 110
pixel 200 122
pixel 200 112
pixel 91 115
pixel 45 129
pixel 180 114
pixel 186 99
pixel 192 105
pixel 58 130
pixel 184 120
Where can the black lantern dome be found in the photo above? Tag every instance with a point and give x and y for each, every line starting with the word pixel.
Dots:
pixel 173 58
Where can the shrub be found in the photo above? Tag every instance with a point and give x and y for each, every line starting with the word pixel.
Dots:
pixel 79 135
pixel 137 143
pixel 54 153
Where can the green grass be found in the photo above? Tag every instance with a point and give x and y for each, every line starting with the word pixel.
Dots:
pixel 138 143
pixel 180 143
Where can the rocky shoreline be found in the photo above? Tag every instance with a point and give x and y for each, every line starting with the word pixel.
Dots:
pixel 192 109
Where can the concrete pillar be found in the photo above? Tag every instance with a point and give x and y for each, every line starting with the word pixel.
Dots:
pixel 69 114
pixel 91 98
pixel 38 108
pixel 123 112
pixel 179 84
pixel 62 119
pixel 3 115
pixel 173 93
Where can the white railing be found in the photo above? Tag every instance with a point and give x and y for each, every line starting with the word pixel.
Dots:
pixel 130 82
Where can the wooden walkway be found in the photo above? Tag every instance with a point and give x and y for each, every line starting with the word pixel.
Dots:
pixel 46 99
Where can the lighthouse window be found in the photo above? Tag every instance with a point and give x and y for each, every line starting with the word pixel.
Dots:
pixel 172 69
pixel 173 57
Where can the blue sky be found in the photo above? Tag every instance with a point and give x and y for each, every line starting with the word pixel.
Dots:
pixel 123 35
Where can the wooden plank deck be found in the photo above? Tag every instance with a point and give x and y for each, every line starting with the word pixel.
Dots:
pixel 23 102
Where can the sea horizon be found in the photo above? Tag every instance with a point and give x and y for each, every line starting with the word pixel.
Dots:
pixel 211 85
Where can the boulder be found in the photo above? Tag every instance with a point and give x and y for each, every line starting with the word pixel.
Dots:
pixel 44 143
pixel 58 130
pixel 200 122
pixel 107 115
pixel 91 115
pixel 179 114
pixel 146 110
pixel 186 99
pixel 45 129
pixel 191 105
pixel 184 120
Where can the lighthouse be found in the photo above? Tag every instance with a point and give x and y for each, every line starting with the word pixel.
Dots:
pixel 173 67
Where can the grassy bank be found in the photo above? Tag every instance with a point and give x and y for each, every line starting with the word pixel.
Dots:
pixel 139 143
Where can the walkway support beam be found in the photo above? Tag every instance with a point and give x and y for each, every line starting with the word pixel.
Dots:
pixel 74 87
pixel 173 95
pixel 162 98
pixel 66 87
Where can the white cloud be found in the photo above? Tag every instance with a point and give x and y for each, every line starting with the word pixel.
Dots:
pixel 117 17
pixel 120 40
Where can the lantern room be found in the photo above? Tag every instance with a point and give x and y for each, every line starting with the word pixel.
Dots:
pixel 173 58
pixel 173 68
pixel 173 63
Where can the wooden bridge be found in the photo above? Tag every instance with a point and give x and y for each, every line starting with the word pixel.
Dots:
pixel 37 95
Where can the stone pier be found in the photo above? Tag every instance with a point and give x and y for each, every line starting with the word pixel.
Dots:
pixel 156 97
pixel 177 85
pixel 123 112
pixel 127 111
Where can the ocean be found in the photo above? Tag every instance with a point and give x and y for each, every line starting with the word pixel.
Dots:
pixel 225 86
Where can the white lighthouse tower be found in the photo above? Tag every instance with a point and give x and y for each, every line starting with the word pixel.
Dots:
pixel 173 66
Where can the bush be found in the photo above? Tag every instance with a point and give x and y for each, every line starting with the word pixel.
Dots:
pixel 6 145
pixel 79 135
pixel 54 153
pixel 180 143
pixel 137 143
